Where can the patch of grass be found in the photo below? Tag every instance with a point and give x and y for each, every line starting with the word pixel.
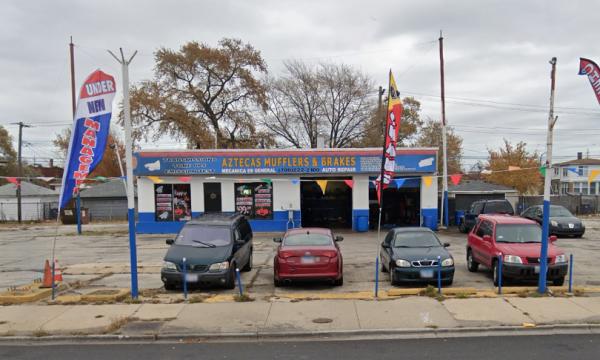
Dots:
pixel 440 297
pixel 3 322
pixel 462 295
pixel 40 333
pixel 130 300
pixel 579 292
pixel 432 326
pixel 196 299
pixel 429 291
pixel 242 298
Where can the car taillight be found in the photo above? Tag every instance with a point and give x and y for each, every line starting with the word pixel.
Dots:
pixel 285 255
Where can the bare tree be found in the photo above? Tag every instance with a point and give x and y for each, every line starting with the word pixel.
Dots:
pixel 345 102
pixel 311 101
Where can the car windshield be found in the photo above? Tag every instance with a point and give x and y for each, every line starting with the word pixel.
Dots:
pixel 498 207
pixel 559 211
pixel 204 236
pixel 307 239
pixel 518 233
pixel 416 239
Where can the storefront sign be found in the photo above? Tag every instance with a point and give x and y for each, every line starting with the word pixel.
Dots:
pixel 275 162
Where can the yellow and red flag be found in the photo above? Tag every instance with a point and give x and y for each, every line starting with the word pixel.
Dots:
pixel 392 126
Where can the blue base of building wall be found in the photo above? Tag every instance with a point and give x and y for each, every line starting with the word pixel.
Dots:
pixel 429 218
pixel 148 225
pixel 356 214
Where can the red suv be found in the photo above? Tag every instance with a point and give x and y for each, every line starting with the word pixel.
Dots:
pixel 518 241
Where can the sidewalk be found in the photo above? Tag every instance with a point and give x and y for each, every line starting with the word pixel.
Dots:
pixel 289 318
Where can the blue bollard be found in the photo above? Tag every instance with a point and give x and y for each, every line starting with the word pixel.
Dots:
pixel 439 275
pixel 239 281
pixel 377 275
pixel 571 273
pixel 500 274
pixel 185 289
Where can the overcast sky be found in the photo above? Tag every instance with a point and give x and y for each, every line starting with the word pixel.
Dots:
pixel 496 54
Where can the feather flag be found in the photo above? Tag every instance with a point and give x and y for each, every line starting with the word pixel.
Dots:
pixel 589 68
pixel 392 126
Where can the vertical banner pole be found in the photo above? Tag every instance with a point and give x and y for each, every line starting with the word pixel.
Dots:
pixel 129 168
pixel 571 273
pixel 499 274
pixel 444 216
pixel 78 209
pixel 439 274
pixel 184 280
pixel 547 184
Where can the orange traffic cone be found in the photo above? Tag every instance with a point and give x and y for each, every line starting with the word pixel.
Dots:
pixel 57 273
pixel 47 282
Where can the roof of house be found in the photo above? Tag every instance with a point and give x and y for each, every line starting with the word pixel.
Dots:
pixel 580 162
pixel 27 189
pixel 112 189
pixel 478 186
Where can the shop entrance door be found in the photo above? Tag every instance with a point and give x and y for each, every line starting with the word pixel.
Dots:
pixel 332 209
pixel 212 197
pixel 401 206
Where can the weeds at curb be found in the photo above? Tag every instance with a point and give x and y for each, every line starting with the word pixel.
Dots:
pixel 429 291
pixel 117 323
pixel 196 299
pixel 242 298
pixel 40 333
pixel 462 295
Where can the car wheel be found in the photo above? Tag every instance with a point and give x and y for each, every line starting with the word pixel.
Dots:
pixel 383 269
pixel 495 273
pixel 277 283
pixel 248 266
pixel 462 228
pixel 392 278
pixel 339 282
pixel 558 281
pixel 447 282
pixel 579 235
pixel 472 265
pixel 170 286
pixel 230 282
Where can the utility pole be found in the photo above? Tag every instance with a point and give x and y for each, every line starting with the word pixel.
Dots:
pixel 547 183
pixel 444 203
pixel 20 169
pixel 129 164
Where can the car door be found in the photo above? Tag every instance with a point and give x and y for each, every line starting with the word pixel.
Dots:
pixel 487 245
pixel 239 248
pixel 479 246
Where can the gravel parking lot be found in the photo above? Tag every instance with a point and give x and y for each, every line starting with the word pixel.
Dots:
pixel 104 250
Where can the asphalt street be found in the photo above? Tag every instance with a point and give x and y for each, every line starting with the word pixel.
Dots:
pixel 492 348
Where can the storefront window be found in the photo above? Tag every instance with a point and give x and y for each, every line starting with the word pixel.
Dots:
pixel 254 200
pixel 172 202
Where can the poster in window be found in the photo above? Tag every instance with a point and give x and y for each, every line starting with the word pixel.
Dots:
pixel 254 200
pixel 263 201
pixel 163 202
pixel 243 199
pixel 182 204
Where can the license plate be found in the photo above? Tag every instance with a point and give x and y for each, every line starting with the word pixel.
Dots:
pixel 571 226
pixel 307 260
pixel 426 274
pixel 191 277
pixel 536 269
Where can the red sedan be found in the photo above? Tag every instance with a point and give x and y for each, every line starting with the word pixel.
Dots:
pixel 308 254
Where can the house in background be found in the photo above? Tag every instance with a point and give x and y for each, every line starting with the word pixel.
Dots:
pixel 37 202
pixel 105 201
pixel 571 177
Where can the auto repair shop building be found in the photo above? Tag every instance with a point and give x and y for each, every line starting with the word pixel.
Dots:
pixel 283 188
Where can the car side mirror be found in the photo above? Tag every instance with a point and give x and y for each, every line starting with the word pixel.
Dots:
pixel 277 239
pixel 552 238
pixel 339 238
pixel 487 238
pixel 446 244
pixel 170 241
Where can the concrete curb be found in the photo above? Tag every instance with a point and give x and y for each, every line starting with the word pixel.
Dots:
pixel 260 335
